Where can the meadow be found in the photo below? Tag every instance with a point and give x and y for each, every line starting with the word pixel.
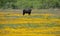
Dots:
pixel 40 22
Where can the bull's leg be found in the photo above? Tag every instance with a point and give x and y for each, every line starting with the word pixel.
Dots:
pixel 29 13
pixel 23 13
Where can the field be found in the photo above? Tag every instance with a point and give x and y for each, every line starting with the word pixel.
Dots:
pixel 39 23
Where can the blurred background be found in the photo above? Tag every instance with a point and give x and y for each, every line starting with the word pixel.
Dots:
pixel 35 4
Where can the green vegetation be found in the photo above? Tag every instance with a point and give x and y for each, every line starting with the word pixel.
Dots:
pixel 41 26
pixel 38 4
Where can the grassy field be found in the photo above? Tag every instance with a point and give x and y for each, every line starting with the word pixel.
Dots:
pixel 41 23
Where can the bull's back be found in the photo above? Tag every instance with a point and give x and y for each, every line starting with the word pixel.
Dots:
pixel 27 10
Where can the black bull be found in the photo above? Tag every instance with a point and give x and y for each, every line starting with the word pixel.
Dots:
pixel 28 11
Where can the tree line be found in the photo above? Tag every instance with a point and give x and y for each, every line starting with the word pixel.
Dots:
pixel 38 4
